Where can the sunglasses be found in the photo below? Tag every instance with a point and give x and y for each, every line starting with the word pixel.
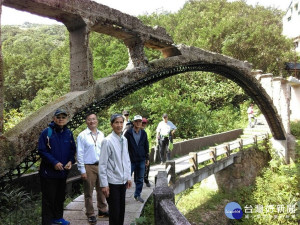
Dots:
pixel 126 114
pixel 61 117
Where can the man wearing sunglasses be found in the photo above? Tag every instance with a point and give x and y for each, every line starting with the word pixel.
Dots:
pixel 57 150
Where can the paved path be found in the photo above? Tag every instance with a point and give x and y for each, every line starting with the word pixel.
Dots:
pixel 75 211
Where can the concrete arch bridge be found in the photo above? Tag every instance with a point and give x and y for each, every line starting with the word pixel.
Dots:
pixel 18 145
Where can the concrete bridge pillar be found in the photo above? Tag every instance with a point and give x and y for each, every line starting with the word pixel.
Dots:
pixel 81 60
pixel 1 80
pixel 279 90
pixel 295 98
pixel 136 53
pixel 281 100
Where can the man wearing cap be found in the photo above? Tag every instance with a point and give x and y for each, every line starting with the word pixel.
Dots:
pixel 57 150
pixel 138 148
pixel 115 170
pixel 164 132
pixel 88 153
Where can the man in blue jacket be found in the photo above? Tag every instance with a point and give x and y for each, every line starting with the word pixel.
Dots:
pixel 138 148
pixel 57 149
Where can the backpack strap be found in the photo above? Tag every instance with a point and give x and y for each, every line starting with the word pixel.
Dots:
pixel 48 136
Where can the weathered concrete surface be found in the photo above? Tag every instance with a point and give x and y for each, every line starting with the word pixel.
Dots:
pixel 165 211
pixel 17 143
pixel 81 60
pixel 172 214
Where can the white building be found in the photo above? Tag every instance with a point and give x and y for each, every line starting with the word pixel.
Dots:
pixel 291 23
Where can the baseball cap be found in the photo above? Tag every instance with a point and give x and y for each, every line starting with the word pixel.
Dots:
pixel 165 115
pixel 60 111
pixel 144 120
pixel 137 117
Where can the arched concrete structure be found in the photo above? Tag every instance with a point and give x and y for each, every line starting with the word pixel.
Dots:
pixel 19 144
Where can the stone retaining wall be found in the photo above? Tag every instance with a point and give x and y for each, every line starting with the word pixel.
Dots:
pixel 247 166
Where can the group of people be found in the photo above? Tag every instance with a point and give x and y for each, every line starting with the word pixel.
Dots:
pixel 105 163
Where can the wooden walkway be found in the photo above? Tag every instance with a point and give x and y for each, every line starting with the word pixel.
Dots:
pixel 75 211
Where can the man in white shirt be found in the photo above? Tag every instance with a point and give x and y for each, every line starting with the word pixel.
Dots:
pixel 251 116
pixel 88 153
pixel 115 170
pixel 164 132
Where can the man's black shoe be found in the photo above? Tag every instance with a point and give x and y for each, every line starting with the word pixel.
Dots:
pixel 92 220
pixel 103 214
pixel 139 199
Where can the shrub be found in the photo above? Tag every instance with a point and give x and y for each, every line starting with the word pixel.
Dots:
pixel 19 207
pixel 295 129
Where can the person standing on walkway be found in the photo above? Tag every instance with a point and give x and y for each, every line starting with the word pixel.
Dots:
pixel 88 153
pixel 115 170
pixel 127 123
pixel 57 149
pixel 147 166
pixel 138 148
pixel 164 134
pixel 251 116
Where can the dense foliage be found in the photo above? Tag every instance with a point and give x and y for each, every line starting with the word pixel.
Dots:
pixel 36 66
pixel 35 58
pixel 231 28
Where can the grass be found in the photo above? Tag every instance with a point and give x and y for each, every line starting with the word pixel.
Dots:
pixel 195 201
pixel 147 216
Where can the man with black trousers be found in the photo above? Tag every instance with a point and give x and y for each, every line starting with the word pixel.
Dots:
pixel 114 170
pixel 57 150
pixel 138 148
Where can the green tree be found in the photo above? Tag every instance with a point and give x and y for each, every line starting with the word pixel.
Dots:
pixel 245 32
pixel 27 60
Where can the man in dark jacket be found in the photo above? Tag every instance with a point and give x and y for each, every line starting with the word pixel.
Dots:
pixel 57 149
pixel 138 148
